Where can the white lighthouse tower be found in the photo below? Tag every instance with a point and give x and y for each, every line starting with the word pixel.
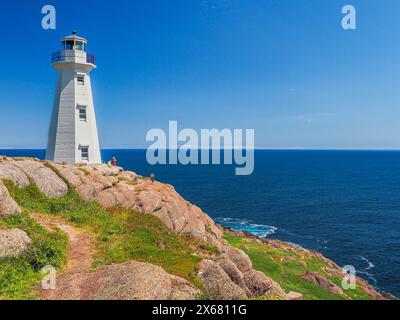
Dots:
pixel 73 134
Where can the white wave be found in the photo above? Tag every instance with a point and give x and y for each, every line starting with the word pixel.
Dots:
pixel 260 230
pixel 371 278
pixel 369 263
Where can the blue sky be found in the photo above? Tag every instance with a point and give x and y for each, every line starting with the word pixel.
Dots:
pixel 285 68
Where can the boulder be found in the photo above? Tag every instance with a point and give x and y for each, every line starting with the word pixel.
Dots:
pixel 47 181
pixel 233 272
pixel 107 198
pixel 260 285
pixel 8 171
pixel 322 282
pixel 294 296
pixel 106 181
pixel 239 258
pixel 136 281
pixel 182 290
pixel 73 174
pixel 147 201
pixel 13 242
pixel 217 284
pixel 7 204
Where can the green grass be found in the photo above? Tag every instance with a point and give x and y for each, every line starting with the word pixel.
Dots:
pixel 120 235
pixel 285 267
pixel 145 238
pixel 19 277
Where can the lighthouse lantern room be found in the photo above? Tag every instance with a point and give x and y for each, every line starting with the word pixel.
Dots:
pixel 73 136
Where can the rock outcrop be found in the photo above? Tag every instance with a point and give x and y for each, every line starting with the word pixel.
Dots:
pixel 136 281
pixel 217 283
pixel 231 276
pixel 111 186
pixel 322 282
pixel 20 171
pixel 294 296
pixel 8 206
pixel 47 181
pixel 13 242
pixel 239 258
pixel 234 273
pixel 8 171
pixel 260 285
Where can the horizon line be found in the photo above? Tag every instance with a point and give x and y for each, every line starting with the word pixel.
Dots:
pixel 254 148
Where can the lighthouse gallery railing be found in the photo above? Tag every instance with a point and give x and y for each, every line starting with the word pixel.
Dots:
pixel 63 56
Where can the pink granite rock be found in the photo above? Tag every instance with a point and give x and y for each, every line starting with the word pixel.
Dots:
pixel 261 285
pixel 294 296
pixel 8 171
pixel 239 258
pixel 136 281
pixel 8 206
pixel 46 179
pixel 322 282
pixel 217 283
pixel 13 242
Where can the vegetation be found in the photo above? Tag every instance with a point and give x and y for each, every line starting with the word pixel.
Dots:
pixel 286 267
pixel 19 276
pixel 120 234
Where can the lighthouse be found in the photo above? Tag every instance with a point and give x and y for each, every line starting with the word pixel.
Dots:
pixel 73 136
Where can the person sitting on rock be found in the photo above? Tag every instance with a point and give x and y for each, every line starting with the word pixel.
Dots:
pixel 114 162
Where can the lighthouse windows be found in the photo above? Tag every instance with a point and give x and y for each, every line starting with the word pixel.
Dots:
pixel 80 79
pixel 69 45
pixel 82 113
pixel 74 45
pixel 85 153
pixel 78 45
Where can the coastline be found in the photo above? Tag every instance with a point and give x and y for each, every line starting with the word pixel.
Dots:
pixel 221 263
pixel 337 270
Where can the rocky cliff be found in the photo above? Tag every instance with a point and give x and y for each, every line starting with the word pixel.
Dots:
pixel 113 234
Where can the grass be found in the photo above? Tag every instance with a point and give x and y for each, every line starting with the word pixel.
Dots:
pixel 120 234
pixel 20 276
pixel 286 268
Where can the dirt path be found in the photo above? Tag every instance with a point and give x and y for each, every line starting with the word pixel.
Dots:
pixel 70 281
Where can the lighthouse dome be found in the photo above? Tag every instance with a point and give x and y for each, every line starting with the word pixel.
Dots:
pixel 74 42
pixel 73 50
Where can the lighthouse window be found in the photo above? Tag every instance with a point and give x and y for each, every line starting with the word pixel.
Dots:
pixel 82 114
pixel 81 79
pixel 85 153
pixel 79 45
pixel 69 45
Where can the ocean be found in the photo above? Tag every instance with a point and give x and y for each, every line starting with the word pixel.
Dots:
pixel 345 204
